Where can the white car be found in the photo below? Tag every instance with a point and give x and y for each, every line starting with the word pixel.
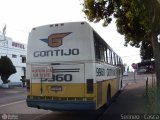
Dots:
pixel 125 73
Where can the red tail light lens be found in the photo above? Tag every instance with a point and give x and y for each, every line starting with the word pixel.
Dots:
pixel 89 86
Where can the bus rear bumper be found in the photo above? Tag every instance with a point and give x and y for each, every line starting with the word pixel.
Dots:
pixel 62 105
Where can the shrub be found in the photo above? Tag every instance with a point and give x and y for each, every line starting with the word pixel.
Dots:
pixel 6 68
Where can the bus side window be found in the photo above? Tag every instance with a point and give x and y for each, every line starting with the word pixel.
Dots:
pixel 97 50
pixel 114 59
pixel 102 53
pixel 108 56
pixel 105 55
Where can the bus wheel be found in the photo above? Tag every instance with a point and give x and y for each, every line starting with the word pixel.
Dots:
pixel 109 95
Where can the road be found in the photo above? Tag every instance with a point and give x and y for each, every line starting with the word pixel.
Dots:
pixel 12 103
pixel 20 109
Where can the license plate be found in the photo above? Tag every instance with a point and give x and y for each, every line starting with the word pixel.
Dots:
pixel 56 88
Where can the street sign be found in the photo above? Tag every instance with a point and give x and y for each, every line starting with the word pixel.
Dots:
pixel 134 65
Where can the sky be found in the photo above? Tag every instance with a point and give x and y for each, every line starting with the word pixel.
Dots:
pixel 20 16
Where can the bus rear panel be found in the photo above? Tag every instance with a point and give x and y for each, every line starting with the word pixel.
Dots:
pixel 61 87
pixel 56 62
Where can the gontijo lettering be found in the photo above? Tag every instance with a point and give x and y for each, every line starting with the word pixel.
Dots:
pixel 58 52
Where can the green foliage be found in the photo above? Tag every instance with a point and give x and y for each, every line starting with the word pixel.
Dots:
pixel 134 18
pixel 146 51
pixel 97 10
pixel 6 68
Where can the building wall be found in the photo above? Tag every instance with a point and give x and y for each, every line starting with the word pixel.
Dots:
pixel 16 52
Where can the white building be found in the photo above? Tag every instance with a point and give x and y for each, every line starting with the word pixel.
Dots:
pixel 17 53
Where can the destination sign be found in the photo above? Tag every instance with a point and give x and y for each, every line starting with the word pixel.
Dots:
pixel 41 72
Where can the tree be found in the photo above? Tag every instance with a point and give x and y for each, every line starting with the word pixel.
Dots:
pixel 6 68
pixel 146 51
pixel 137 20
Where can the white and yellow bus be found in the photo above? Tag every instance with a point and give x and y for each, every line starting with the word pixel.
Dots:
pixel 70 67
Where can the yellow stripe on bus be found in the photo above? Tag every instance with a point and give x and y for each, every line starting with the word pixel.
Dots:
pixel 68 90
pixel 74 91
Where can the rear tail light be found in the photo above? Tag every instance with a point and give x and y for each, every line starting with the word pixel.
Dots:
pixel 89 86
pixel 28 85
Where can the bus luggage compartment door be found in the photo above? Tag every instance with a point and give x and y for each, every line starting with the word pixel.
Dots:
pixel 59 81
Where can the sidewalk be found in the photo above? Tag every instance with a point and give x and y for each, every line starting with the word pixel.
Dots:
pixel 129 103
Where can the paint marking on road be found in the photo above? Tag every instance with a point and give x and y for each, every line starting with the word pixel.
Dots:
pixel 12 103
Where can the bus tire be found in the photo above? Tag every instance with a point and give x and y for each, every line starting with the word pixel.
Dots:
pixel 109 95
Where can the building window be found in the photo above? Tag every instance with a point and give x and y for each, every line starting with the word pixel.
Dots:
pixel 14 56
pixel 23 58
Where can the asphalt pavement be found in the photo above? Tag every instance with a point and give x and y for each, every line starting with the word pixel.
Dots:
pixel 12 90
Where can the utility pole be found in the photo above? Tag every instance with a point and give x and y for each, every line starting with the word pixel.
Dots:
pixel 3 40
pixel 4 31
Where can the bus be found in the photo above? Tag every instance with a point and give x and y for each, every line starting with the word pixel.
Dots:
pixel 70 67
